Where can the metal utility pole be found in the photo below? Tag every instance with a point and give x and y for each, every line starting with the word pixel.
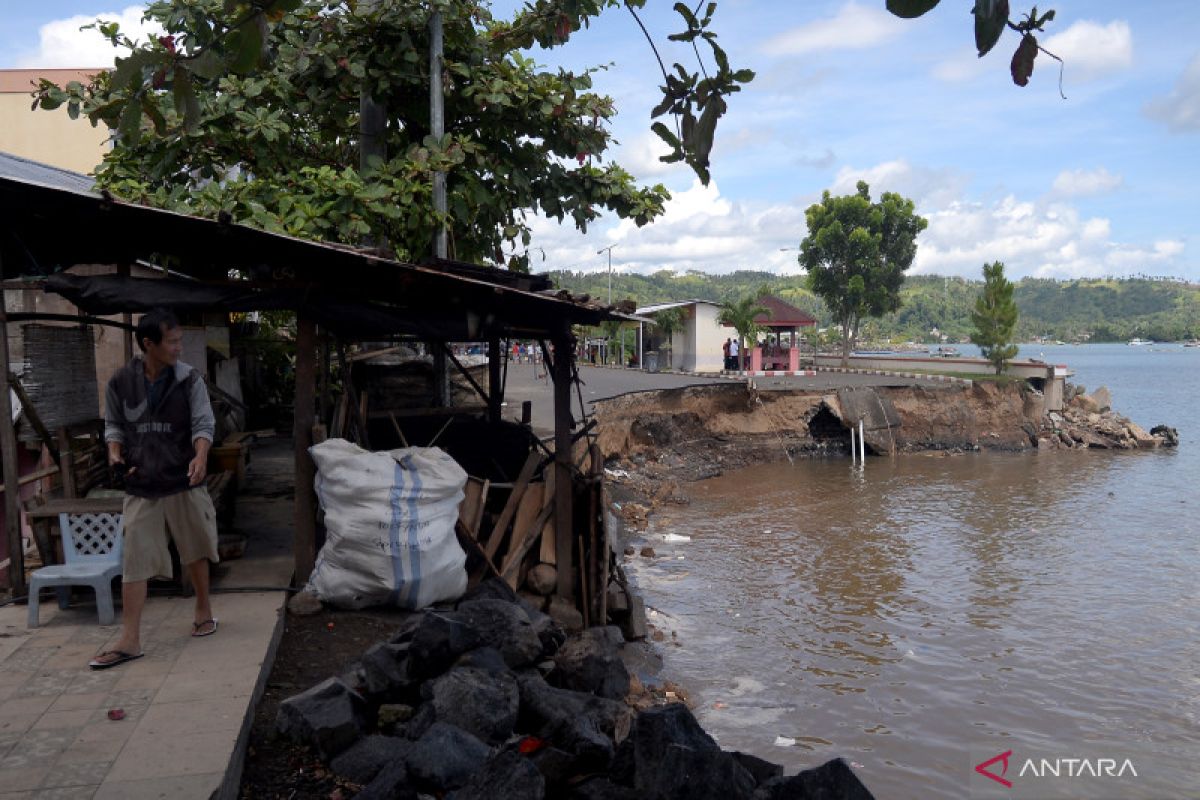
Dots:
pixel 600 253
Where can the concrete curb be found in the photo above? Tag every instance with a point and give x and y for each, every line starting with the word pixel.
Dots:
pixel 941 378
pixel 231 784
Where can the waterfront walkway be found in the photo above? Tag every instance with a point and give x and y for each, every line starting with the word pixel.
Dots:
pixel 188 704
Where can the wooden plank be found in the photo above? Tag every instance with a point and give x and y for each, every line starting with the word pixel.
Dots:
pixel 563 502
pixel 514 500
pixel 305 503
pixel 476 522
pixel 9 471
pixel 495 388
pixel 522 528
pixel 470 544
pixel 31 415
pixel 45 472
pixel 77 505
pixel 472 499
pixel 547 554
pixel 363 355
pixel 511 570
pixel 396 425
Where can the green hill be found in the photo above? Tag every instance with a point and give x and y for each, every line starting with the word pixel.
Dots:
pixel 1095 309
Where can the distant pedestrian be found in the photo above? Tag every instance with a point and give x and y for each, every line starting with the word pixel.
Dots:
pixel 725 352
pixel 734 352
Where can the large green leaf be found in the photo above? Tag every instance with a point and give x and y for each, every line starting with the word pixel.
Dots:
pixel 910 9
pixel 991 17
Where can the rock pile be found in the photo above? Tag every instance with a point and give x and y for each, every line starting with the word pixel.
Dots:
pixel 491 700
pixel 1089 421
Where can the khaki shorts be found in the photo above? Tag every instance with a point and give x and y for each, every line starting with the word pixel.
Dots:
pixel 187 516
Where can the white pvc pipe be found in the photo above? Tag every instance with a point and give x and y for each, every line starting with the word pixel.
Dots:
pixel 862 444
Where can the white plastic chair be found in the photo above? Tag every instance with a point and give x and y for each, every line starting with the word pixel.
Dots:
pixel 92 545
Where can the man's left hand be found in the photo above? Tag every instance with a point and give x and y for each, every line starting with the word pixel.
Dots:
pixel 197 470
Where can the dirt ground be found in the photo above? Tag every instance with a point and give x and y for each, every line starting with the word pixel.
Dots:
pixel 312 649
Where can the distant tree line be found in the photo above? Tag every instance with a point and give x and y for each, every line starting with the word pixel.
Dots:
pixel 1090 309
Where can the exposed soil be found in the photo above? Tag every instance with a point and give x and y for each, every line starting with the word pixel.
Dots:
pixel 312 649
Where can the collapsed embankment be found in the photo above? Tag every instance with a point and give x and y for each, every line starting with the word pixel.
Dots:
pixel 654 440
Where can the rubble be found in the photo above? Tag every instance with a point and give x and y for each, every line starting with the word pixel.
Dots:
pixel 456 705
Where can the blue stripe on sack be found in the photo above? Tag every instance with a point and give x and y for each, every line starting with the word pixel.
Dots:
pixel 414 543
pixel 394 534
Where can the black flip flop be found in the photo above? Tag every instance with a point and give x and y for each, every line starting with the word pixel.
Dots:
pixel 122 657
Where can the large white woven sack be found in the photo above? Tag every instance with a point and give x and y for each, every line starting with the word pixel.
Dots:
pixel 389 521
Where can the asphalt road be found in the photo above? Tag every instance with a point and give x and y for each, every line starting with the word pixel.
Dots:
pixel 527 382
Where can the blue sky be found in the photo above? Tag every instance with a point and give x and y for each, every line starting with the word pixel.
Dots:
pixel 1099 184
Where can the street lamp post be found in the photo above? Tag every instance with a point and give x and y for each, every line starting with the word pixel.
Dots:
pixel 608 250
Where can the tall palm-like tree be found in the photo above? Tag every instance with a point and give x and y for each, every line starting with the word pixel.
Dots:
pixel 740 315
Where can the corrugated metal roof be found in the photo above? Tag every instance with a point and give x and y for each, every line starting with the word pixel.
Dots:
pixel 23 169
pixel 664 306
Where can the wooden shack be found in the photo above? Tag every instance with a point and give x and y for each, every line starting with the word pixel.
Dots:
pixel 341 297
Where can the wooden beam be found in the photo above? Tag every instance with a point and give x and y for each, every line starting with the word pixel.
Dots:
pixel 35 421
pixel 495 386
pixel 474 383
pixel 563 485
pixel 305 510
pixel 44 472
pixel 10 472
pixel 66 462
pixel 514 500
pixel 126 339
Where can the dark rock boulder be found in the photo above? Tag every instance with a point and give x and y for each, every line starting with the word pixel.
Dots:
pixel 506 627
pixel 488 659
pixel 329 716
pixel 445 758
pixel 507 775
pixel 761 769
pixel 1169 435
pixel 583 725
pixel 833 780
pixel 390 784
pixel 602 789
pixel 491 589
pixel 591 662
pixel 367 757
pixel 385 672
pixel 675 758
pixel 549 633
pixel 481 703
pixel 439 639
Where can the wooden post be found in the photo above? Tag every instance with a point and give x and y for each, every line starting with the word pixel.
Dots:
pixel 495 392
pixel 66 462
pixel 8 457
pixel 305 519
pixel 563 484
pixel 326 401
pixel 126 335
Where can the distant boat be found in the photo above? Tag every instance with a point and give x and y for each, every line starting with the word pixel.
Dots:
pixel 1139 342
pixel 946 352
pixel 1192 343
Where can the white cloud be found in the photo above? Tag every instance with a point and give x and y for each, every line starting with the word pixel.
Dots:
pixel 1042 239
pixel 1092 50
pixel 925 186
pixel 1080 182
pixel 700 230
pixel 853 27
pixel 61 43
pixel 703 230
pixel 1180 109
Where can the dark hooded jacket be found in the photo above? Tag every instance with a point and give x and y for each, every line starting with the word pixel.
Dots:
pixel 158 440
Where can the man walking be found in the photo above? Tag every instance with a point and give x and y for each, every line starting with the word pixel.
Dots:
pixel 158 424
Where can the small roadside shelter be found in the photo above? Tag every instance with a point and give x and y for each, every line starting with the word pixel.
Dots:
pixel 694 348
